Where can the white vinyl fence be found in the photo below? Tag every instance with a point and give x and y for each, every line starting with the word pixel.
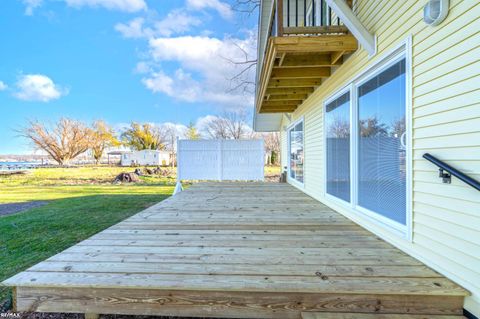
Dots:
pixel 219 160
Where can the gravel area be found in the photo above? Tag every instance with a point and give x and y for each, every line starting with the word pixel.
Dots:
pixel 12 208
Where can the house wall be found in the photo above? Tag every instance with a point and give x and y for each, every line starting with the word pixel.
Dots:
pixel 445 123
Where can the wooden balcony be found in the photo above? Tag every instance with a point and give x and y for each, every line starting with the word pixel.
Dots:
pixel 298 59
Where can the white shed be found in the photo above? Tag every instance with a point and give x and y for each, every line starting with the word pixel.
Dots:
pixel 146 157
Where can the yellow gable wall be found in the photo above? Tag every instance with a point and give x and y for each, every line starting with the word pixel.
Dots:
pixel 446 123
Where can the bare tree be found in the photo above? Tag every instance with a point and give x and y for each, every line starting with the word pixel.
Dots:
pixel 145 137
pixel 272 146
pixel 339 128
pixel 103 136
pixel 237 127
pixel 398 127
pixel 63 141
pixel 231 125
pixel 243 79
pixel 172 133
pixel 216 128
pixel 246 6
pixel 372 126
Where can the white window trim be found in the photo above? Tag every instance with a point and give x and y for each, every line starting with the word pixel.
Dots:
pixel 402 50
pixel 289 127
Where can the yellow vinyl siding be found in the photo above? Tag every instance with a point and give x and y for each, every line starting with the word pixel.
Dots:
pixel 445 123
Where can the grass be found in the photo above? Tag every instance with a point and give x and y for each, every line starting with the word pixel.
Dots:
pixel 81 202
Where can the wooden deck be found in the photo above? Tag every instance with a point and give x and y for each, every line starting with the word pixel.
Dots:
pixel 239 250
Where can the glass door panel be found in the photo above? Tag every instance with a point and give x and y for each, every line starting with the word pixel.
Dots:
pixel 381 144
pixel 337 124
pixel 296 152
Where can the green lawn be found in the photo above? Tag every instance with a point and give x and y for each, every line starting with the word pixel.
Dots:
pixel 81 202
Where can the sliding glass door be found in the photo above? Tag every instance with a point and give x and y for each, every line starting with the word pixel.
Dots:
pixel 296 152
pixel 366 144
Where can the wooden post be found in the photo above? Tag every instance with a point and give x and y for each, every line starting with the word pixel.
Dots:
pixel 91 316
pixel 279 18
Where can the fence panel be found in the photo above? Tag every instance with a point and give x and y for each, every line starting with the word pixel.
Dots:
pixel 220 160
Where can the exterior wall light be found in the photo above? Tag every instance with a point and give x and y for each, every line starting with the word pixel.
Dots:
pixel 435 11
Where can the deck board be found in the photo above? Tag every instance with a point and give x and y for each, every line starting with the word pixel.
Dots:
pixel 209 249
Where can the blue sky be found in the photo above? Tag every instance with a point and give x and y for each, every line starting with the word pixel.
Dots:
pixel 119 60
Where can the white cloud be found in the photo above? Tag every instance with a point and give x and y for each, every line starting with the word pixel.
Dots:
pixel 3 86
pixel 142 67
pixel 31 5
pixel 38 87
pixel 205 72
pixel 159 82
pixel 224 9
pixel 120 5
pixel 176 22
pixel 134 29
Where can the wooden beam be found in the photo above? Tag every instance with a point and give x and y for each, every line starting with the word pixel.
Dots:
pixel 282 91
pixel 321 30
pixel 345 13
pixel 282 103
pixel 285 97
pixel 346 42
pixel 300 73
pixel 307 60
pixel 336 56
pixel 273 110
pixel 280 62
pixel 279 12
pixel 301 83
pixel 267 66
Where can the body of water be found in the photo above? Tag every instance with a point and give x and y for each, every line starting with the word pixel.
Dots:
pixel 5 166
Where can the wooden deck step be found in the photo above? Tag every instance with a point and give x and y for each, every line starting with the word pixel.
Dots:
pixel 336 315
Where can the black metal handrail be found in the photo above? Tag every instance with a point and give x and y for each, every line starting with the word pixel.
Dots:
pixel 451 171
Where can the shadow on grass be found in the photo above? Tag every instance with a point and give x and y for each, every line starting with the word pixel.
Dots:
pixel 39 233
pixel 13 208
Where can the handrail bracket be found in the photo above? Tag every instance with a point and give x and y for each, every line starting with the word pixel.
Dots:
pixel 445 176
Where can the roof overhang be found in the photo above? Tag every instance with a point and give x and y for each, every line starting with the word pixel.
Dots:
pixel 267 122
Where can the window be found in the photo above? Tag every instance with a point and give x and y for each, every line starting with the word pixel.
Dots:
pixel 296 152
pixel 337 125
pixel 367 144
pixel 381 143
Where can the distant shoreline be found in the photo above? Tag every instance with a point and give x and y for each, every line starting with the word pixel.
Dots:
pixel 9 166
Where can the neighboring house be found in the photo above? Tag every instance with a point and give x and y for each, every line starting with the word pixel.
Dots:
pixel 360 91
pixel 146 157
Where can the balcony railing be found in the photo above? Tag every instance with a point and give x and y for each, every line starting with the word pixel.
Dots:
pixel 303 17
